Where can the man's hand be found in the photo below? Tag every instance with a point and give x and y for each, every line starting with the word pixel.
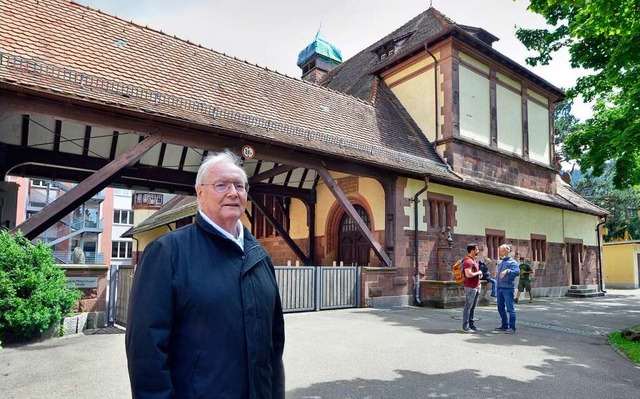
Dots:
pixel 504 273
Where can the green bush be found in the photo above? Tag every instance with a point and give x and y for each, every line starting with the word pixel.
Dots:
pixel 33 291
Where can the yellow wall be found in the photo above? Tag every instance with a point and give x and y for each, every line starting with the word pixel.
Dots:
pixel 509 113
pixel 146 237
pixel 413 186
pixel 476 211
pixel 298 217
pixel 507 81
pixel 620 264
pixel 415 93
pixel 368 189
pixel 472 61
pixel 538 97
pixel 538 117
pixel 474 105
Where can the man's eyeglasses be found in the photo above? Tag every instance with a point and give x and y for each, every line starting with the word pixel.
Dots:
pixel 224 186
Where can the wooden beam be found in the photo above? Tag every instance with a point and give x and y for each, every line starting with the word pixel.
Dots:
pixel 182 133
pixel 271 173
pixel 274 189
pixel 285 236
pixel 39 162
pixel 351 211
pixel 53 212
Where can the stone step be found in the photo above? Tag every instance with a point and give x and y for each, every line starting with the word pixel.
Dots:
pixel 579 287
pixel 583 293
pixel 586 291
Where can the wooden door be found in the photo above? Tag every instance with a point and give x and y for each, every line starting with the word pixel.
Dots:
pixel 353 248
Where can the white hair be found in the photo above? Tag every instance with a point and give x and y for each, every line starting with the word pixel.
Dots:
pixel 506 247
pixel 226 156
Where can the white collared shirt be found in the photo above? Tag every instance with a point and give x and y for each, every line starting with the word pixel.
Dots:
pixel 239 229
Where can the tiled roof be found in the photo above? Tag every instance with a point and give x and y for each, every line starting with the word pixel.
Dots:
pixel 564 198
pixel 565 191
pixel 177 208
pixel 64 48
pixel 355 76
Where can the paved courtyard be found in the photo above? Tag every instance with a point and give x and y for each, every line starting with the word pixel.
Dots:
pixel 560 351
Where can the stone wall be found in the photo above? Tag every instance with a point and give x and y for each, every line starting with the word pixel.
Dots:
pixel 492 165
pixel 280 252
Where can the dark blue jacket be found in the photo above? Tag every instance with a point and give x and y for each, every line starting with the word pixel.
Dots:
pixel 205 319
pixel 509 280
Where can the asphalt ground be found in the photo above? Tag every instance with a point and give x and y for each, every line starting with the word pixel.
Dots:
pixel 559 351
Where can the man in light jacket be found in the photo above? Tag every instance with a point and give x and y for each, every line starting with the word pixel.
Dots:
pixel 508 270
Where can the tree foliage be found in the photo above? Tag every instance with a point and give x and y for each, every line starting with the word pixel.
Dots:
pixel 563 126
pixel 623 205
pixel 33 291
pixel 602 37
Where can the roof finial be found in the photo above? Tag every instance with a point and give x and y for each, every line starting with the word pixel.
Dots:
pixel 430 3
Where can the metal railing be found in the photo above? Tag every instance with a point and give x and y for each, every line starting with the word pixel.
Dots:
pixel 90 258
pixel 307 288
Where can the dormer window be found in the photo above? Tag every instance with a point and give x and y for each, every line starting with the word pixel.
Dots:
pixel 391 47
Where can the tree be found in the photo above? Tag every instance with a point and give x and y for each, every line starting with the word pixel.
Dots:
pixel 33 291
pixel 564 125
pixel 623 205
pixel 602 36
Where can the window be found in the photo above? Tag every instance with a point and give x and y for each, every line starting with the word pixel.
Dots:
pixel 121 249
pixel 277 207
pixel 40 183
pixel 391 47
pixel 441 211
pixel 122 217
pixel 538 248
pixel 122 191
pixel 494 239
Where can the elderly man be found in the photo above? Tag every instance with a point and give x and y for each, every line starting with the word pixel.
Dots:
pixel 205 318
pixel 508 270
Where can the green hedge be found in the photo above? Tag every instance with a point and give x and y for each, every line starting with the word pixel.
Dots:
pixel 33 291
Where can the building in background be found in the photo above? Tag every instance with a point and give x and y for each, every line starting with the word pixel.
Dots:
pixel 621 264
pixel 81 228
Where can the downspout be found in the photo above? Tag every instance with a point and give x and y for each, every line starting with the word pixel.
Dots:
pixel 435 92
pixel 137 253
pixel 414 199
pixel 599 260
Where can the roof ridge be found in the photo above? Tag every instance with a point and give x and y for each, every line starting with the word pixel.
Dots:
pixel 445 20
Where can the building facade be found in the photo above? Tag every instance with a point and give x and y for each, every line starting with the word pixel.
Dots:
pixel 394 159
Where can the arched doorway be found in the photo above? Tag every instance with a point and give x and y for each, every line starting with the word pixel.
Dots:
pixel 353 247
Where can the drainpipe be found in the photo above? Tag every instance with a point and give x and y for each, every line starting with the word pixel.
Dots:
pixel 417 301
pixel 435 91
pixel 599 260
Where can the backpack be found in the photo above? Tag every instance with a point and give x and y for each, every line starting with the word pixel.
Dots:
pixel 458 272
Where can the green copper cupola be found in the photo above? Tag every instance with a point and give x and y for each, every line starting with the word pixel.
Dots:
pixel 318 58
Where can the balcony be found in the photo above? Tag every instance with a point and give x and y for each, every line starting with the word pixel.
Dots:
pixel 90 258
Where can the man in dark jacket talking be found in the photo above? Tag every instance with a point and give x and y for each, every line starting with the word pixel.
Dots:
pixel 205 318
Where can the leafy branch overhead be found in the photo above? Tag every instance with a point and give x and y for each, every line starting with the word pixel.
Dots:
pixel 602 37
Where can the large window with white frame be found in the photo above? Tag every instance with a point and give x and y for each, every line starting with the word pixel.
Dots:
pixel 121 216
pixel 121 249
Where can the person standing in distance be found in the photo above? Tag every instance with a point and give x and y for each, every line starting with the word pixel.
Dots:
pixel 525 278
pixel 471 288
pixel 508 270
pixel 205 318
